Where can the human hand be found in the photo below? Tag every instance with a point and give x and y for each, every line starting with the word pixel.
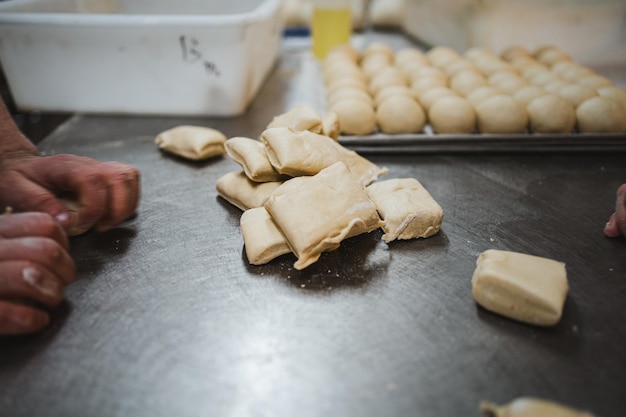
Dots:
pixel 35 267
pixel 106 193
pixel 616 226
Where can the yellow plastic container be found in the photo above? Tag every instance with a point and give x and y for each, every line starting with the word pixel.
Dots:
pixel 331 25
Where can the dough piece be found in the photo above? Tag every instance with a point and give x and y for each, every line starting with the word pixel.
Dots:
pixel 460 65
pixel 614 92
pixel 441 56
pixel 551 114
pixel 356 117
pixel 316 216
pixel 576 93
pixel 465 81
pixel 307 153
pixel 530 407
pixel 73 206
pixel 595 81
pixel 330 125
pixel 431 96
pixel 526 94
pixel 392 91
pixel 344 82
pixel 480 94
pixel 452 115
pixel 601 115
pixel 523 287
pixel 400 114
pixel 263 241
pixel 251 155
pixel 388 77
pixel 407 209
pixel 514 51
pixel 421 85
pixel 192 142
pixel 242 192
pixel 501 114
pixel 302 117
pixel 349 93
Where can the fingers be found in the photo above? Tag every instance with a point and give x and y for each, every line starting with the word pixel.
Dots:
pixel 20 319
pixel 22 280
pixel 616 226
pixel 32 224
pixel 43 252
pixel 123 194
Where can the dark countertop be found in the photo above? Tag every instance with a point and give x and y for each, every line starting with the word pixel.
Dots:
pixel 167 318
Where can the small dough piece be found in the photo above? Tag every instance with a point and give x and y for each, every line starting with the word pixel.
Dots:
pixel 251 155
pixel 323 211
pixel 392 91
pixel 73 206
pixel 349 93
pixel 307 153
pixel 400 114
pixel 614 92
pixel 263 241
pixel 408 210
pixel 452 115
pixel 431 96
pixel 243 193
pixel 576 93
pixel 501 114
pixel 465 81
pixel 601 115
pixel 551 114
pixel 192 142
pixel 302 117
pixel 482 93
pixel 526 94
pixel 388 77
pixel 523 287
pixel 530 407
pixel 330 125
pixel 356 117
pixel 421 85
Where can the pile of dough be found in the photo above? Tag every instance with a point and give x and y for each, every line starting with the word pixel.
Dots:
pixel 523 287
pixel 302 117
pixel 192 142
pixel 263 241
pixel 317 216
pixel 530 407
pixel 242 192
pixel 407 209
pixel 251 155
pixel 306 153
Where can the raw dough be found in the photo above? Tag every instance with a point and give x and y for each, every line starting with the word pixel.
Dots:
pixel 400 114
pixel 523 287
pixel 356 117
pixel 316 216
pixel 530 407
pixel 242 192
pixel 407 209
pixel 463 82
pixel 307 153
pixel 501 114
pixel 262 239
pixel 526 94
pixel 251 155
pixel 192 142
pixel 576 93
pixel 302 117
pixel 431 96
pixel 601 114
pixel 452 115
pixel 551 114
pixel 330 125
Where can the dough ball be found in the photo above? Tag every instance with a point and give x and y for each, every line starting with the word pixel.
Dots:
pixel 601 115
pixel 356 117
pixel 515 51
pixel 555 86
pixel 434 94
pixel 339 69
pixel 440 56
pixel 530 71
pixel 595 81
pixel 543 78
pixel 551 114
pixel 376 48
pixel 400 114
pixel 482 93
pixel 510 85
pixel 526 94
pixel 478 52
pixel 552 56
pixel 387 77
pixel 406 55
pixel 392 91
pixel 490 65
pixel 423 84
pixel 345 82
pixel 373 64
pixel 411 68
pixel 576 93
pixel 575 72
pixel 503 75
pixel 346 51
pixel 614 92
pixel 501 114
pixel 459 65
pixel 463 82
pixel 429 71
pixel 351 93
pixel 452 114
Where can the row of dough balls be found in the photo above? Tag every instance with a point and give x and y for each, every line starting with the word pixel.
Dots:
pixel 543 91
pixel 302 192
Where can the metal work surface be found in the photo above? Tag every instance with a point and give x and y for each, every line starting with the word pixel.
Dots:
pixel 167 318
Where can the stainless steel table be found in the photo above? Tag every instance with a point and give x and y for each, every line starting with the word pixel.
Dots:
pixel 167 318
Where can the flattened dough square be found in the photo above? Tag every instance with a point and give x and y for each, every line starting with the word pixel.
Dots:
pixel 523 287
pixel 240 191
pixel 251 155
pixel 302 117
pixel 262 239
pixel 321 211
pixel 192 142
pixel 409 211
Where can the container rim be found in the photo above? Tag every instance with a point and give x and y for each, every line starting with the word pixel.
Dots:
pixel 264 10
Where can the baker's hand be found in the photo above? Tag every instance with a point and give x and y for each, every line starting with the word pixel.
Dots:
pixel 616 225
pixel 35 267
pixel 104 193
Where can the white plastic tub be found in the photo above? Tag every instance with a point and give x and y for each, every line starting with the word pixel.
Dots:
pixel 186 57
pixel 592 31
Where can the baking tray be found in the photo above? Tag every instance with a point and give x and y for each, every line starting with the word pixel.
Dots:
pixel 430 142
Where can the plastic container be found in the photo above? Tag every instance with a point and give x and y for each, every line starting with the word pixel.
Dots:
pixel 591 31
pixel 330 25
pixel 138 56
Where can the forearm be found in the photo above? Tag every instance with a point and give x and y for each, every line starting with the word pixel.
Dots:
pixel 12 141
